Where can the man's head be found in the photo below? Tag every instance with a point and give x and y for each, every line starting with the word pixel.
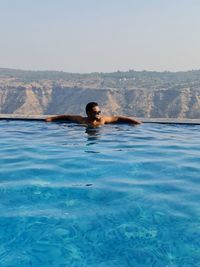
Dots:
pixel 93 111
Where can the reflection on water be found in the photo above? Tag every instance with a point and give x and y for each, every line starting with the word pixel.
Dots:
pixel 93 134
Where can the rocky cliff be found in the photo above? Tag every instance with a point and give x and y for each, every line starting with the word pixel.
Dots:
pixel 123 95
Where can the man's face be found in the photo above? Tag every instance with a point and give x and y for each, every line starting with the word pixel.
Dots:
pixel 95 113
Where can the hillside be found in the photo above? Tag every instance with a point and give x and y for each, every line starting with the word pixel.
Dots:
pixel 142 94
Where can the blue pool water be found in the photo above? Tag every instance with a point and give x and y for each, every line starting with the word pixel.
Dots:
pixel 114 196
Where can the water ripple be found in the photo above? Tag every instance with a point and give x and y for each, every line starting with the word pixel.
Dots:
pixel 112 196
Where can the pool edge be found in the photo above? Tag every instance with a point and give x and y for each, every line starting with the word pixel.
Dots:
pixel 144 120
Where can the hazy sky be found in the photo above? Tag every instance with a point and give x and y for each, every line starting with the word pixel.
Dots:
pixel 100 35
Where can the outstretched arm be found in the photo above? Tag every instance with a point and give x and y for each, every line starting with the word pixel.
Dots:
pixel 72 118
pixel 121 119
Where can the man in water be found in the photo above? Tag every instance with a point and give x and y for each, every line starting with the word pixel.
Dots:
pixel 94 117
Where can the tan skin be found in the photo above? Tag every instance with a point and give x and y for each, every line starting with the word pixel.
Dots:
pixel 94 118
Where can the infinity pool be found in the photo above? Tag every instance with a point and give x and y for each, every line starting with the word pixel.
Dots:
pixel 117 196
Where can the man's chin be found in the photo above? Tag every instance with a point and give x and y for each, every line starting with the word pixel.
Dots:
pixel 98 118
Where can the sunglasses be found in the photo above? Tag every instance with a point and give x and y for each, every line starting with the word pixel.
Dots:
pixel 97 112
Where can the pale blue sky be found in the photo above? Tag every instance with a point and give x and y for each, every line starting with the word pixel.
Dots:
pixel 100 35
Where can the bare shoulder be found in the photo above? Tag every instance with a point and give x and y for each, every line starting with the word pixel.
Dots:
pixel 109 119
pixel 77 118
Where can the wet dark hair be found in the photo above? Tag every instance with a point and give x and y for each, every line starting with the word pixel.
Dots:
pixel 90 106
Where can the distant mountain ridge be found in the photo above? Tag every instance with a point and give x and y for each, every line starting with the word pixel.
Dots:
pixel 133 93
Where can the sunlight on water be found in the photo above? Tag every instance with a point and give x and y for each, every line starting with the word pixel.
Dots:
pixel 113 196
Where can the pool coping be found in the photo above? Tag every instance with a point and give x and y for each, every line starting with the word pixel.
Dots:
pixel 144 120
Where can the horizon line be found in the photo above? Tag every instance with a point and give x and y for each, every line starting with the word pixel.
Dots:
pixel 102 72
